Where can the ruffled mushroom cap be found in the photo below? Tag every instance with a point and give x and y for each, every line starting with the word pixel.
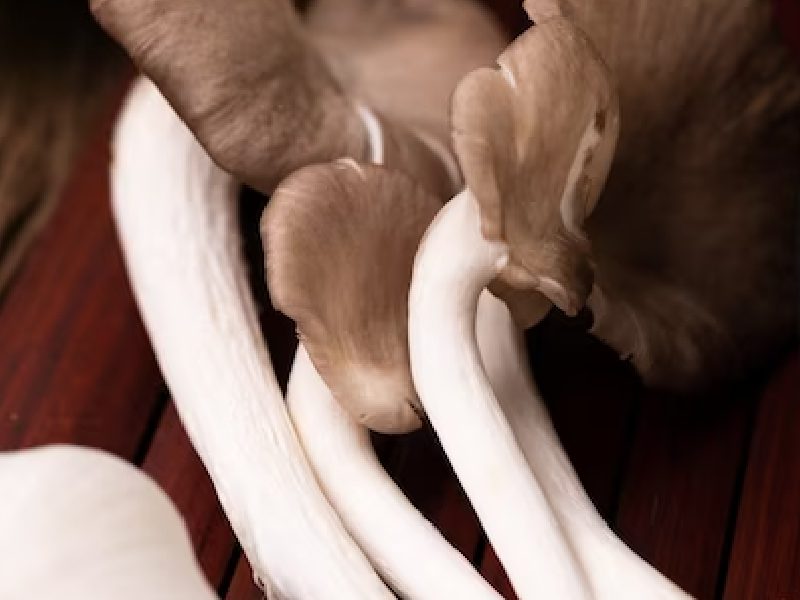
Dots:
pixel 340 241
pixel 261 96
pixel 706 164
pixel 244 78
pixel 535 139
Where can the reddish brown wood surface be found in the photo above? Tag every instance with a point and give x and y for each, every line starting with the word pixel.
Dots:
pixel 680 488
pixel 420 468
pixel 765 559
pixel 75 364
pixel 242 586
pixel 173 463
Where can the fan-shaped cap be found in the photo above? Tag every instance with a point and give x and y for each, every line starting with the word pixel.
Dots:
pixel 340 241
pixel 535 139
pixel 241 74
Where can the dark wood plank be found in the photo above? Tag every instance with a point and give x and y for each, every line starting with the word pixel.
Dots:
pixel 765 557
pixel 242 586
pixel 787 19
pixel 421 469
pixel 682 484
pixel 593 398
pixel 493 572
pixel 173 463
pixel 75 364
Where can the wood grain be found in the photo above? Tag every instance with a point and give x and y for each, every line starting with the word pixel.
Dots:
pixel 242 586
pixel 422 471
pixel 680 489
pixel 765 558
pixel 173 463
pixel 76 364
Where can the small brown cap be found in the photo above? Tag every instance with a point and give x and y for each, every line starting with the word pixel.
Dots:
pixel 535 139
pixel 340 241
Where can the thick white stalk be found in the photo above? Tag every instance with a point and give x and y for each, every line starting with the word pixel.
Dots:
pixel 403 546
pixel 453 265
pixel 79 524
pixel 614 571
pixel 176 217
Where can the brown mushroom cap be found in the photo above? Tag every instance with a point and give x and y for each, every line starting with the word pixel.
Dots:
pixel 405 57
pixel 257 95
pixel 340 241
pixel 262 98
pixel 535 140
pixel 706 165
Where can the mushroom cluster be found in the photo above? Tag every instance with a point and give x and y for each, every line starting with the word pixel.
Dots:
pixel 434 191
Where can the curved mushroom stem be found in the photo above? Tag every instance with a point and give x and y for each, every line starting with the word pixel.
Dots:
pixel 405 548
pixel 176 217
pixel 80 524
pixel 614 571
pixel 453 265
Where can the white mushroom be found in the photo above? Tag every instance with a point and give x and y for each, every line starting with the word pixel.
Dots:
pixel 613 570
pixel 403 546
pixel 535 141
pixel 79 524
pixel 176 216
pixel 453 265
pixel 339 245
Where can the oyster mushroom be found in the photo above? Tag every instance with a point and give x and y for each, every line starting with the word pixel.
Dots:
pixel 535 140
pixel 176 217
pixel 339 245
pixel 612 569
pixel 263 99
pixel 706 166
pixel 406 549
pixel 79 524
pixel 228 70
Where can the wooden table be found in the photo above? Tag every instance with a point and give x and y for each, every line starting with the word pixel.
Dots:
pixel 708 490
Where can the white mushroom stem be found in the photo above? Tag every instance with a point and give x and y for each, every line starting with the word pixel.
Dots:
pixel 404 547
pixel 453 265
pixel 176 217
pixel 614 571
pixel 79 524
